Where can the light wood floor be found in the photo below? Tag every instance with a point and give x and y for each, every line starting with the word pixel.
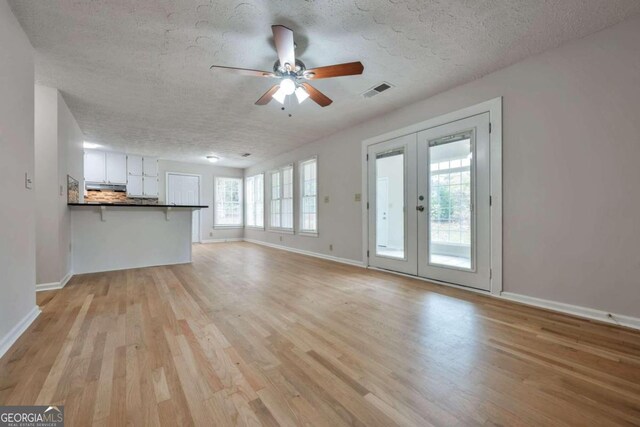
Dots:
pixel 249 335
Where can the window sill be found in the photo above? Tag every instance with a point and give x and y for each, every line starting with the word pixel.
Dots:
pixel 281 230
pixel 251 227
pixel 308 233
pixel 227 227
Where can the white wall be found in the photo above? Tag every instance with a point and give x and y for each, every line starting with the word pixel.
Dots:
pixel 58 152
pixel 46 187
pixel 17 210
pixel 571 148
pixel 207 173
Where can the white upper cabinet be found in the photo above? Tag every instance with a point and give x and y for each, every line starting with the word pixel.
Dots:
pixel 134 165
pixel 95 167
pixel 116 168
pixel 150 186
pixel 150 166
pixel 134 186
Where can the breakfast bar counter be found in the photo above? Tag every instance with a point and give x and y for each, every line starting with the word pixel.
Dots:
pixel 116 236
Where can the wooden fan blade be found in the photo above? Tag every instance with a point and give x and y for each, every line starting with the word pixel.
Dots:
pixel 283 38
pixel 320 98
pixel 244 71
pixel 264 99
pixel 338 70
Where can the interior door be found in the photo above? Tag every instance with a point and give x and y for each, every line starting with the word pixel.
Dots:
pixel 392 235
pixel 185 190
pixel 454 236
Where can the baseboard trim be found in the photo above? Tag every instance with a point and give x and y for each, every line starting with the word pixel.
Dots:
pixel 12 336
pixel 589 313
pixel 54 285
pixel 308 253
pixel 231 239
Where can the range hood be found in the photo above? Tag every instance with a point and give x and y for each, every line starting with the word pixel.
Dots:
pixel 107 187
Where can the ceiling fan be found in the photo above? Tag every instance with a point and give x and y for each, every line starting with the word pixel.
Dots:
pixel 292 72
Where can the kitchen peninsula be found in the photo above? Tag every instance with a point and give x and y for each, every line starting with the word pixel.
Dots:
pixel 116 236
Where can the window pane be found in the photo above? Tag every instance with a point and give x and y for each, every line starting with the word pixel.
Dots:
pixel 228 201
pixel 450 214
pixel 308 203
pixel 390 212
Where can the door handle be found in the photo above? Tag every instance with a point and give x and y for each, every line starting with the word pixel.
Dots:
pixel 420 208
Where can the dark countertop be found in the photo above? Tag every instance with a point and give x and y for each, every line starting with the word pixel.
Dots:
pixel 137 205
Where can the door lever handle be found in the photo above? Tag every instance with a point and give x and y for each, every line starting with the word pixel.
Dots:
pixel 420 208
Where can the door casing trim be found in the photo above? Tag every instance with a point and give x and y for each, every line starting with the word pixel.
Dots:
pixel 494 108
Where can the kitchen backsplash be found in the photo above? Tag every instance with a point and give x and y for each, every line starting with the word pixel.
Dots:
pixel 105 196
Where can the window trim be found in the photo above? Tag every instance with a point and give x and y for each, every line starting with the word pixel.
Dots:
pixel 301 232
pixel 215 203
pixel 281 169
pixel 255 227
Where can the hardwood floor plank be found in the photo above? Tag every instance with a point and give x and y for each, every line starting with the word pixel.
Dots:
pixel 248 335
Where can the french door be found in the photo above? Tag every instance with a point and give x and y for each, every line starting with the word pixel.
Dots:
pixel 431 206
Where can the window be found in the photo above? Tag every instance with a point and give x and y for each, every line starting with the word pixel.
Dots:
pixel 228 202
pixel 254 200
pixel 281 212
pixel 309 196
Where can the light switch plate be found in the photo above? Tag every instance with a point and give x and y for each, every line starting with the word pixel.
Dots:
pixel 28 181
pixel 326 199
pixel 358 197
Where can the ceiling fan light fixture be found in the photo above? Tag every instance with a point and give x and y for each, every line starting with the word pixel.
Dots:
pixel 288 86
pixel 279 96
pixel 301 94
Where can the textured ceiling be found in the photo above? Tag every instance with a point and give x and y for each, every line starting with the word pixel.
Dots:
pixel 136 73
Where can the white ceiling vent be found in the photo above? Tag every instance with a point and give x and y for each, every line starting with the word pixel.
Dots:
pixel 379 88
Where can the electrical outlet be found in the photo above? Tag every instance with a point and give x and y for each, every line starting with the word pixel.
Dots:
pixel 331 247
pixel 28 181
pixel 281 238
pixel 326 199
pixel 211 234
pixel 358 197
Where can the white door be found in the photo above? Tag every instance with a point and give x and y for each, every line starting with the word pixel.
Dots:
pixel 116 168
pixel 94 167
pixel 454 234
pixel 185 190
pixel 392 236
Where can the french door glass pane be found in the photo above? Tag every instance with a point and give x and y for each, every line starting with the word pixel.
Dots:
pixel 390 209
pixel 450 207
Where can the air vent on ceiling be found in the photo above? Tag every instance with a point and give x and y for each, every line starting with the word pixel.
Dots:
pixel 245 154
pixel 377 89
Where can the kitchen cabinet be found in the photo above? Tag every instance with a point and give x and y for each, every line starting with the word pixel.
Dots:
pixel 134 186
pixel 116 167
pixel 150 186
pixel 95 167
pixel 150 166
pixel 134 165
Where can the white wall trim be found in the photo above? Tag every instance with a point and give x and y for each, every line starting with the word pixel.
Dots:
pixel 12 336
pixel 230 239
pixel 54 285
pixel 589 313
pixel 308 253
pixel 494 108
